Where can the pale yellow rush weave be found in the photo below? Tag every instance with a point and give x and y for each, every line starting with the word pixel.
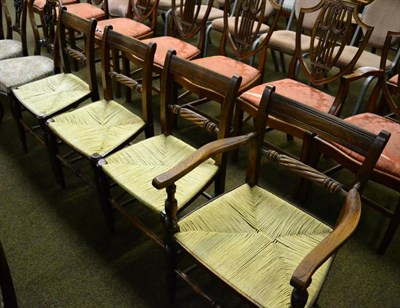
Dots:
pixel 254 241
pixel 97 127
pixel 51 94
pixel 134 168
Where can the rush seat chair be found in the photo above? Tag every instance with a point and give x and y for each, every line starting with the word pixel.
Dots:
pixel 271 252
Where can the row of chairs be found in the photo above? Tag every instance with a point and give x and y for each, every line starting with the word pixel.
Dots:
pixel 129 166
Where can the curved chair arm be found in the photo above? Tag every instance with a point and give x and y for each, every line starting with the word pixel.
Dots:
pixel 346 225
pixel 202 154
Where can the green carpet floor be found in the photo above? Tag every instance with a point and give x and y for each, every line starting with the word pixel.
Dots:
pixel 62 255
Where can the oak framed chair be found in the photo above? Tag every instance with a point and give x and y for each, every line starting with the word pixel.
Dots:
pixel 387 170
pixel 332 30
pixel 134 167
pixel 13 71
pixel 237 48
pixel 58 93
pixel 284 41
pixel 382 15
pixel 217 24
pixel 133 24
pixel 100 128
pixel 184 25
pixel 271 252
pixel 9 46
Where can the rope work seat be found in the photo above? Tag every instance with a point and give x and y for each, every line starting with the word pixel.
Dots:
pixel 254 240
pixel 134 167
pixel 50 95
pixel 17 71
pixel 10 49
pixel 96 128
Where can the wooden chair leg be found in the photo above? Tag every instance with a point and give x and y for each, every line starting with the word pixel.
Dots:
pixel 1 112
pixel 9 298
pixel 391 230
pixel 103 192
pixel 17 115
pixel 56 165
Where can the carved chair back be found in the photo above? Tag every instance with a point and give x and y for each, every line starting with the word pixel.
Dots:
pixel 16 25
pixel 133 53
pixel 240 39
pixel 204 83
pixel 331 32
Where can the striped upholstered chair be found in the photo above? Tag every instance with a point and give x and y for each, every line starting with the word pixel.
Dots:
pixel 271 252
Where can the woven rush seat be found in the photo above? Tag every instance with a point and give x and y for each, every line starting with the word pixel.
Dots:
pixel 253 240
pixel 17 71
pixel 134 167
pixel 47 96
pixel 97 127
pixel 10 49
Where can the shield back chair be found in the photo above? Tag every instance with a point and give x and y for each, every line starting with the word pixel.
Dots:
pixel 134 167
pixel 184 24
pixel 237 46
pixel 58 93
pixel 13 71
pixel 284 41
pixel 265 248
pixel 8 298
pixel 387 169
pixel 44 8
pixel 217 24
pixel 9 46
pixel 383 16
pixel 134 23
pixel 333 27
pixel 100 128
pixel 216 12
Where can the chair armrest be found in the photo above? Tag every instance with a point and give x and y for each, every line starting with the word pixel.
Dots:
pixel 346 225
pixel 202 154
pixel 363 72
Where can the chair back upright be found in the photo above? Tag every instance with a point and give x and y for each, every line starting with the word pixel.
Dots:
pixel 17 26
pixel 86 57
pixel 204 83
pixel 117 46
pixel 240 39
pixel 143 10
pixel 185 21
pixel 332 30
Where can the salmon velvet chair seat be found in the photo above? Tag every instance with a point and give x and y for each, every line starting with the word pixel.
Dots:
pixel 86 10
pixel 125 26
pixel 164 43
pixel 295 90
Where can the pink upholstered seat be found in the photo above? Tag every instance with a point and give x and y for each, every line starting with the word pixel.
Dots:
pixel 39 4
pixel 165 43
pixel 229 67
pixel 394 80
pixel 294 90
pixel 86 10
pixel 389 162
pixel 125 26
